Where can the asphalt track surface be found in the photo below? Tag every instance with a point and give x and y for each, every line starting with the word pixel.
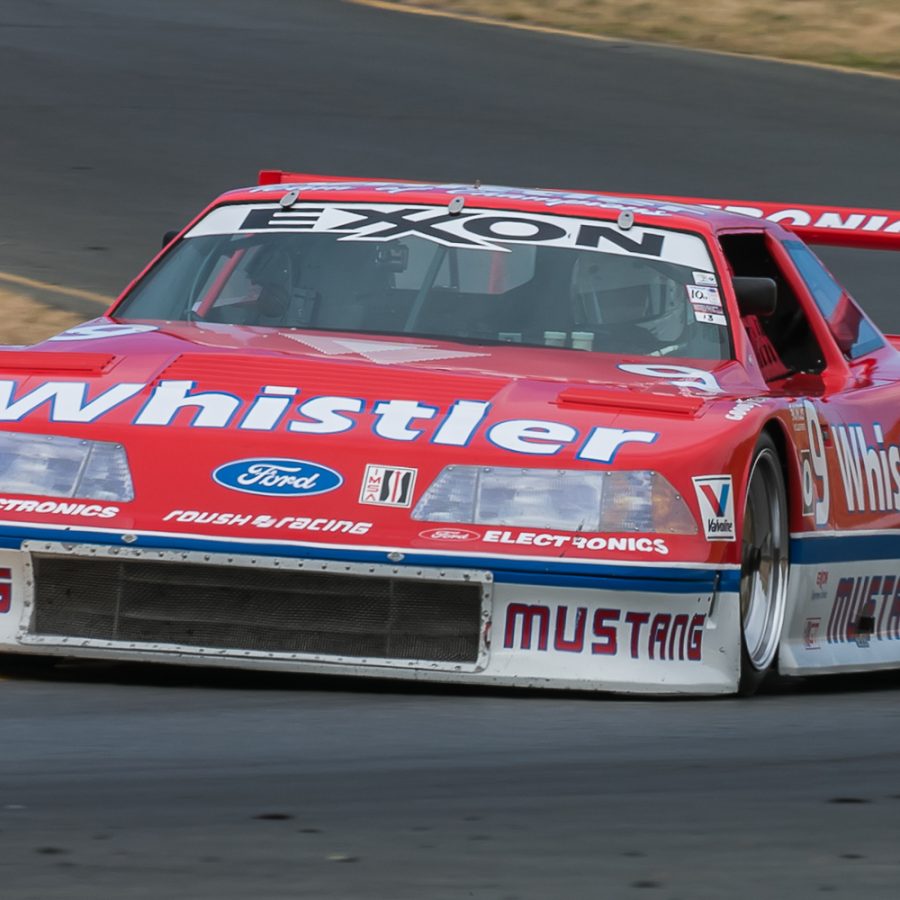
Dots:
pixel 119 121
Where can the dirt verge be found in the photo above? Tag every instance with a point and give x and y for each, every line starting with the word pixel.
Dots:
pixel 25 320
pixel 862 34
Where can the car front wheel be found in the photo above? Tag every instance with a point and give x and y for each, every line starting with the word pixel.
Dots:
pixel 764 566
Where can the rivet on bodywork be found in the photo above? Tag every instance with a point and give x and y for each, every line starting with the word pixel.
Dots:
pixel 625 220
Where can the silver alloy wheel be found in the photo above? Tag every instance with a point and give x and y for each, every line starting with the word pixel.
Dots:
pixel 764 560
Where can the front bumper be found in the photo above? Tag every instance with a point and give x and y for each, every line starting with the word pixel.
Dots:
pixel 642 629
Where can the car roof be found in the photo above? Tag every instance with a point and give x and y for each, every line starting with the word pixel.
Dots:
pixel 660 212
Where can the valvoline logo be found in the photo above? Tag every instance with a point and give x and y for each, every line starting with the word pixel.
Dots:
pixel 715 498
pixel 276 477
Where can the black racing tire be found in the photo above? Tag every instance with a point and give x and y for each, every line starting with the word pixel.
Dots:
pixel 765 562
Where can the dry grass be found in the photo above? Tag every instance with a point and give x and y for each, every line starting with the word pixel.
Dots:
pixel 857 33
pixel 24 320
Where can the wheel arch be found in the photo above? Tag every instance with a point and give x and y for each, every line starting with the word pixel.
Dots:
pixel 777 430
pixel 774 428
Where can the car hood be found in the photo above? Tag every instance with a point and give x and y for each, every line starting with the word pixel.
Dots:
pixel 192 404
pixel 124 367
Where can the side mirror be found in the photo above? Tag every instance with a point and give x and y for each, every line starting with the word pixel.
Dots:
pixel 168 237
pixel 755 296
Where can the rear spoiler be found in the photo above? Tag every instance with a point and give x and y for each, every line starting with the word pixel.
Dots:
pixel 839 226
pixel 276 176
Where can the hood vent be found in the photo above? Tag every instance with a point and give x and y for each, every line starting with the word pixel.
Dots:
pixel 56 361
pixel 628 401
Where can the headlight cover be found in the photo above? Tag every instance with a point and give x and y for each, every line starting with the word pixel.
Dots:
pixel 53 466
pixel 561 499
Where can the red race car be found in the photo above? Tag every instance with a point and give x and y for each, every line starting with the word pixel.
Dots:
pixel 466 433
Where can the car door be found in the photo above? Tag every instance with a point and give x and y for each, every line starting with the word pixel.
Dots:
pixel 852 614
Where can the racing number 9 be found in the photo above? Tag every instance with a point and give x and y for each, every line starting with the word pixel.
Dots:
pixel 814 469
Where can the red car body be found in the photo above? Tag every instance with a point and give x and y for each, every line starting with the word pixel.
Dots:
pixel 278 517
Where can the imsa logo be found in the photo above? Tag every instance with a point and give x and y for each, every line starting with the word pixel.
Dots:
pixel 388 486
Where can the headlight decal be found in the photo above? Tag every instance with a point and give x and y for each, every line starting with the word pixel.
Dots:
pixel 53 466
pixel 637 502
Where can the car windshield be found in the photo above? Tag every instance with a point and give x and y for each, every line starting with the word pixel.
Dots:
pixel 473 276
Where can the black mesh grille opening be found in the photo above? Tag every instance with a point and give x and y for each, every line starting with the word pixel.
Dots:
pixel 266 610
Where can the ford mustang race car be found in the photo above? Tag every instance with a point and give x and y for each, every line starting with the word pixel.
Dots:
pixel 466 433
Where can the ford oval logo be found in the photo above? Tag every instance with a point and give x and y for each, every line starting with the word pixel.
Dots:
pixel 275 477
pixel 450 534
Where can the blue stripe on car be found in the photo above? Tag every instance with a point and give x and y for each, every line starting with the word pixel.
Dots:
pixel 599 576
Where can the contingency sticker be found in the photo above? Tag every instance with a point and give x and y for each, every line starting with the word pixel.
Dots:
pixel 386 486
pixel 707 296
pixel 707 279
pixel 811 634
pixel 707 304
pixel 710 317
pixel 5 590
pixel 716 499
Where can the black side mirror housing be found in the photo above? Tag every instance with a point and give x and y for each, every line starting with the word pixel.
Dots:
pixel 755 296
pixel 168 237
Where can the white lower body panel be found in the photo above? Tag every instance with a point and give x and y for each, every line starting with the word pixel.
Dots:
pixel 617 636
pixel 842 617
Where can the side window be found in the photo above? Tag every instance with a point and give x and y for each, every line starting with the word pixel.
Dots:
pixel 784 342
pixel 852 331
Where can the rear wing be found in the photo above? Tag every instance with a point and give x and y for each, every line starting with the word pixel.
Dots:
pixel 838 226
pixel 276 176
